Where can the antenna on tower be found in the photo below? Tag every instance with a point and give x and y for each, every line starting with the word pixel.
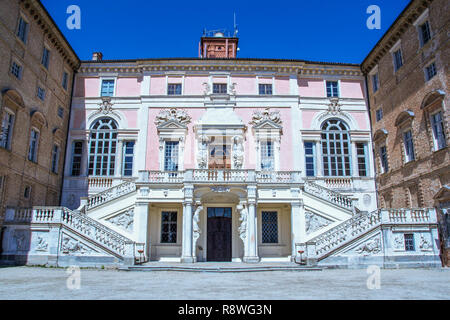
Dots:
pixel 235 26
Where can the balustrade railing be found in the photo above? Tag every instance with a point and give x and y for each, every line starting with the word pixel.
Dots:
pixel 329 195
pixel 110 194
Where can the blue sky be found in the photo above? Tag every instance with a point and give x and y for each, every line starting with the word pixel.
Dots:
pixel 316 30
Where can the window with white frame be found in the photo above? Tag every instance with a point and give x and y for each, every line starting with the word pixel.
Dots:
pixel 398 59
pixel 16 70
pixel 169 227
pixel 362 157
pixel 102 148
pixel 33 145
pixel 425 33
pixel 22 29
pixel 430 71
pixel 171 155
pixel 332 89
pixel 437 125
pixel 128 155
pixel 107 89
pixel 384 159
pixel 267 156
pixel 336 148
pixel 55 158
pixel 77 155
pixel 45 57
pixel 269 226
pixel 174 89
pixel 265 89
pixel 408 146
pixel 310 159
pixel 220 88
pixel 7 130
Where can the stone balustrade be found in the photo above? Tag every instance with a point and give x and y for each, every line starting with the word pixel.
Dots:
pixel 329 195
pixel 110 194
pixel 221 176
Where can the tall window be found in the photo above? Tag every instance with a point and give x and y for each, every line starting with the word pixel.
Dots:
pixel 220 88
pixel 41 93
pixel 128 154
pixel 409 242
pixel 174 89
pixel 7 130
pixel 437 125
pixel 77 154
pixel 430 71
pixel 425 33
pixel 310 159
pixel 267 156
pixel 384 159
pixel 33 147
pixel 168 227
pixel 409 146
pixel 45 57
pixel 65 80
pixel 335 148
pixel 107 88
pixel 375 82
pixel 16 70
pixel 102 149
pixel 55 158
pixel 171 156
pixel 379 114
pixel 332 89
pixel 269 227
pixel 265 89
pixel 361 152
pixel 398 59
pixel 22 30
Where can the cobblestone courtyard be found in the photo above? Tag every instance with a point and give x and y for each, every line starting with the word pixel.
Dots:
pixel 43 283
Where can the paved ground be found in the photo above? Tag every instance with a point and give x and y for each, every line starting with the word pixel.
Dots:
pixel 51 283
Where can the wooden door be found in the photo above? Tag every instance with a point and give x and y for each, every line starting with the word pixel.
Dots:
pixel 219 234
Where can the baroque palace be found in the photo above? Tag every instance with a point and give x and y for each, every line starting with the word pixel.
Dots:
pixel 218 158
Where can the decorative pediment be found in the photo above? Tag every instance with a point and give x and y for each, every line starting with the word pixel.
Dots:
pixel 261 118
pixel 38 119
pixel 268 125
pixel 380 134
pixel 404 117
pixel 172 117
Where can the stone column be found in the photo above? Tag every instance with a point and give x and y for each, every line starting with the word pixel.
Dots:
pixel 187 256
pixel 119 156
pixel 140 226
pixel 252 228
pixel 298 230
pixel 355 169
pixel 318 158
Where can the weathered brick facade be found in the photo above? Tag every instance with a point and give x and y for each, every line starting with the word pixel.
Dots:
pixel 408 100
pixel 50 116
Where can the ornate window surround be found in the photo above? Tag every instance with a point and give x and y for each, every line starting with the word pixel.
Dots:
pixel 404 123
pixel 267 126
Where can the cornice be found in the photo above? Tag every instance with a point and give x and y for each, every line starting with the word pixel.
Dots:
pixel 404 21
pixel 52 34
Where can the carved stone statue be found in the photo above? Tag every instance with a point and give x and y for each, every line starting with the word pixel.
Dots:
pixel 233 89
pixel 399 242
pixel 124 220
pixel 69 245
pixel 315 222
pixel 370 247
pixel 334 107
pixel 172 114
pixel 106 106
pixel 243 216
pixel 424 243
pixel 196 231
pixel 42 244
pixel 238 152
pixel 202 157
pixel 206 88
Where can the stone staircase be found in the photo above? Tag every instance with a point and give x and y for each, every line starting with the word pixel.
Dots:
pixel 108 195
pixel 331 196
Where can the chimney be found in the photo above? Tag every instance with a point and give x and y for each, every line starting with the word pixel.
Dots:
pixel 97 56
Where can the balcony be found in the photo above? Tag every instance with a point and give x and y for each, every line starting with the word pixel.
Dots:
pixel 212 176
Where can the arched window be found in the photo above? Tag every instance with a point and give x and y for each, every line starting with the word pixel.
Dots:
pixel 336 149
pixel 102 147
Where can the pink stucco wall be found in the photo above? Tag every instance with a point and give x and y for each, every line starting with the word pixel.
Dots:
pixel 131 117
pixel 158 85
pixel 311 88
pixel 87 87
pixel 128 87
pixel 282 85
pixel 194 85
pixel 352 89
pixel 244 85
pixel 307 117
pixel 362 120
